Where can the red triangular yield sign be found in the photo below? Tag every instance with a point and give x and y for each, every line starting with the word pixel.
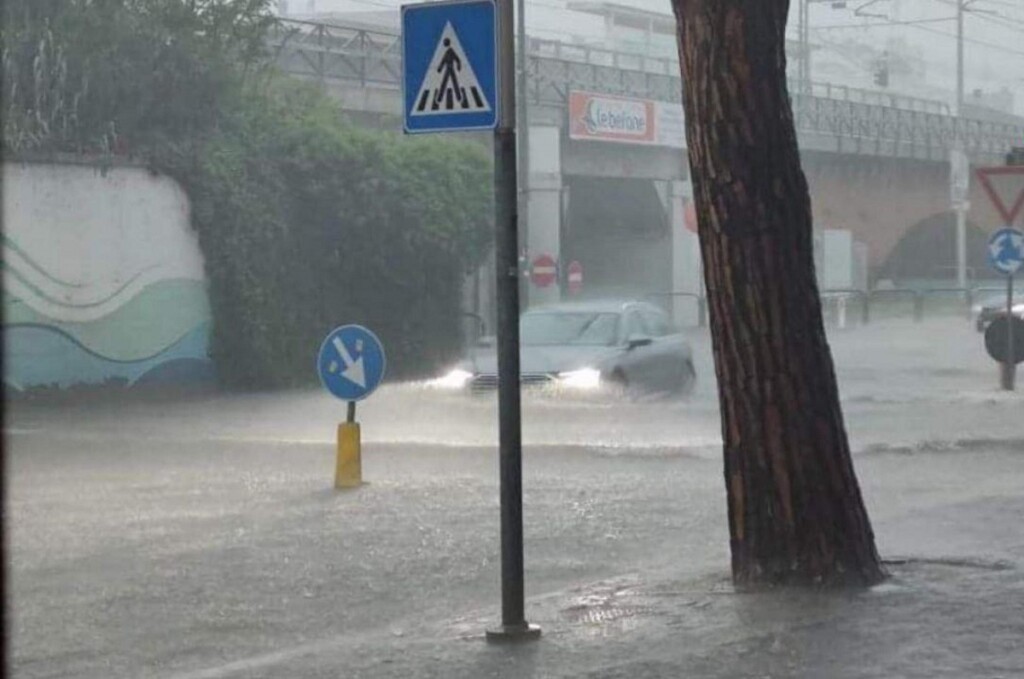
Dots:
pixel 1005 188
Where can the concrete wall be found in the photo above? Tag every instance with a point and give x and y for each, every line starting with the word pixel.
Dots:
pixel 544 209
pixel 103 278
pixel 881 200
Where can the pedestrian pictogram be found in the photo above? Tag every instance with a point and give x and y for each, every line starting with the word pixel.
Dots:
pixel 1006 250
pixel 351 362
pixel 450 85
pixel 450 66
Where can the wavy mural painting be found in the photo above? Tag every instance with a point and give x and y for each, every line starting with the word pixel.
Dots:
pixel 52 357
pixel 100 301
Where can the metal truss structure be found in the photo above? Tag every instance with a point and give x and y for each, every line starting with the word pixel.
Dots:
pixel 833 117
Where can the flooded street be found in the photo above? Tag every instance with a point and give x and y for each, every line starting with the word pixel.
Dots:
pixel 268 263
pixel 903 385
pixel 188 539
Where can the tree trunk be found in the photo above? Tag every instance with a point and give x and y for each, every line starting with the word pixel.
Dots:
pixel 795 510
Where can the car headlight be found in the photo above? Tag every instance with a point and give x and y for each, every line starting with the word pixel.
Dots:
pixel 456 379
pixel 585 378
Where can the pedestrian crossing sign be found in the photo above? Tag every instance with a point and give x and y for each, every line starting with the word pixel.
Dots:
pixel 450 66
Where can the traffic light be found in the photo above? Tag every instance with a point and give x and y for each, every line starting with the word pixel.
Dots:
pixel 1015 156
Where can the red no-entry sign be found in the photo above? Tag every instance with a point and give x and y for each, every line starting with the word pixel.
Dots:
pixel 574 273
pixel 544 271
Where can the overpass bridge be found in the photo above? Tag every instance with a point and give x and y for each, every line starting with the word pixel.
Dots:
pixel 877 162
pixel 828 117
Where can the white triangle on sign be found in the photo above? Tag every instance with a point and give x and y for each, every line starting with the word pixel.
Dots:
pixel 1005 188
pixel 449 85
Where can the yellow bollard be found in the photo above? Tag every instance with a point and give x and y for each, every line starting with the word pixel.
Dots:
pixel 348 469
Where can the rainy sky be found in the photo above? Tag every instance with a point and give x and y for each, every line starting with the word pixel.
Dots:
pixel 918 37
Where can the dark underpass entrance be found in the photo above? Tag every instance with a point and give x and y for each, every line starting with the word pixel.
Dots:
pixel 618 230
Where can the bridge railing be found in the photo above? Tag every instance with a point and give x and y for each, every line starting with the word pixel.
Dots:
pixel 895 124
pixel 601 56
pixel 860 95
pixel 355 47
pixel 323 51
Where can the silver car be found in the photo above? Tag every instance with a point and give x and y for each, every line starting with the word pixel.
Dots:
pixel 630 346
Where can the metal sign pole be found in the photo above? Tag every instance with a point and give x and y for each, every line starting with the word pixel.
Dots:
pixel 1010 364
pixel 513 620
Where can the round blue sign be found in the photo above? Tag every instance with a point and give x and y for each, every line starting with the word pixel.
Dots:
pixel 1006 250
pixel 351 362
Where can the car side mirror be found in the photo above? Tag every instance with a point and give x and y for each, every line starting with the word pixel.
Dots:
pixel 635 341
pixel 486 341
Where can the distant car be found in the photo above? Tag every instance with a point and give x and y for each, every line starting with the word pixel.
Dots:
pixel 629 346
pixel 992 306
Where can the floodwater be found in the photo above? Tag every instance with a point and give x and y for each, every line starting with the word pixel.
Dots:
pixel 202 538
pixel 903 384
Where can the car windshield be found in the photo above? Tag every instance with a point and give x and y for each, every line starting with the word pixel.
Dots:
pixel 582 328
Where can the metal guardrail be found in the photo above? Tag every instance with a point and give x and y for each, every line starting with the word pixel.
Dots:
pixel 918 298
pixel 914 295
pixel 835 301
pixel 858 95
pixel 933 293
pixel 870 121
pixel 702 304
pixel 633 61
pixel 840 295
pixel 323 51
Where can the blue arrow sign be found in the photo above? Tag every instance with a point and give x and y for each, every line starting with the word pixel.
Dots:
pixel 1006 250
pixel 450 66
pixel 351 362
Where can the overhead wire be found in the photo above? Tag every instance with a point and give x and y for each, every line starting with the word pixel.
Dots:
pixel 919 25
pixel 973 41
pixel 877 24
pixel 984 14
pixel 999 20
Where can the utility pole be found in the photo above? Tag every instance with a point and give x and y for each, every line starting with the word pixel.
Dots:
pixel 958 163
pixel 523 127
pixel 804 35
pixel 513 621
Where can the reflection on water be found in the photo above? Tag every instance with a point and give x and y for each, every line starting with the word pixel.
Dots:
pixel 904 385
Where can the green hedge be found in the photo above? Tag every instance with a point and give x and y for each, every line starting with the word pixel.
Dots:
pixel 307 223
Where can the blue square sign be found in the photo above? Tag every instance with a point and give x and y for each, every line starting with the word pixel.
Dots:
pixel 450 66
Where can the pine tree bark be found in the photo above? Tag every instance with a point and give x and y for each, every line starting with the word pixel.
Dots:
pixel 796 515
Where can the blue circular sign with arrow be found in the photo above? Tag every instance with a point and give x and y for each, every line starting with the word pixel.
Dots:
pixel 1006 250
pixel 351 363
